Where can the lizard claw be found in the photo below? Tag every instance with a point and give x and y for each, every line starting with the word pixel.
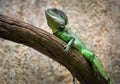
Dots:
pixel 66 49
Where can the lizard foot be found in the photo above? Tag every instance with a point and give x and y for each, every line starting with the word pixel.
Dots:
pixel 67 49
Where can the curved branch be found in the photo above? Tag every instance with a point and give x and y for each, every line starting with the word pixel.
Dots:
pixel 46 43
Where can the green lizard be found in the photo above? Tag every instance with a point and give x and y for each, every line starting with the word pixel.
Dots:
pixel 57 21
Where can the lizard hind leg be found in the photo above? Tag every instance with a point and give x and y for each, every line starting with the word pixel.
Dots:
pixel 96 71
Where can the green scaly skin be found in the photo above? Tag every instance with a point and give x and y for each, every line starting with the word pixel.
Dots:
pixel 57 21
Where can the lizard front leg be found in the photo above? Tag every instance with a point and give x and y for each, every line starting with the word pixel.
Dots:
pixel 67 47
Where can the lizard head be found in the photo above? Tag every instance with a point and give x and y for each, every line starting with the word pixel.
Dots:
pixel 56 19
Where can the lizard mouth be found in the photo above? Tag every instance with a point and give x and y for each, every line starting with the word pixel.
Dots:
pixel 49 12
pixel 52 13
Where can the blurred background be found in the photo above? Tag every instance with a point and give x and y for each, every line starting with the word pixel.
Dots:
pixel 97 22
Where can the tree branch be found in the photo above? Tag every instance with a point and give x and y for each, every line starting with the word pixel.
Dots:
pixel 46 43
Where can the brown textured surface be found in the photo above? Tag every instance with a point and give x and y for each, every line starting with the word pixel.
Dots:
pixel 96 21
pixel 46 43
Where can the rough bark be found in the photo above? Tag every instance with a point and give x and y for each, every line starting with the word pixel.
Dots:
pixel 17 31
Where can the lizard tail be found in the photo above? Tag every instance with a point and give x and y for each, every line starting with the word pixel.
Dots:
pixel 98 68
